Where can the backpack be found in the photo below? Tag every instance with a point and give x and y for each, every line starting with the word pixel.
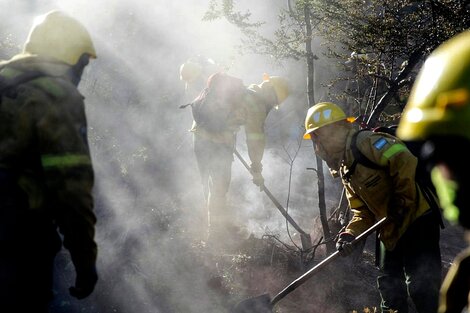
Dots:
pixel 212 108
pixel 422 176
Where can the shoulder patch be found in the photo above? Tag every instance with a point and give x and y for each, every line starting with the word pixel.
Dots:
pixel 380 143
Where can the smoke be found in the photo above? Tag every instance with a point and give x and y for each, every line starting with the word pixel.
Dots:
pixel 148 195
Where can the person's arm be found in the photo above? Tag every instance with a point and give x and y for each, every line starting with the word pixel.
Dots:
pixel 362 217
pixel 361 220
pixel 69 178
pixel 255 136
pixel 256 143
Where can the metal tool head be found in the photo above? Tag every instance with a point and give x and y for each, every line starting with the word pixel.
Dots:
pixel 259 304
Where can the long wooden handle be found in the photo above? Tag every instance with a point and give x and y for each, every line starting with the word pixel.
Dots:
pixel 299 281
pixel 273 199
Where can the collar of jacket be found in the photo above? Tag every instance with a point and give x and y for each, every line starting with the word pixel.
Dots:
pixel 29 62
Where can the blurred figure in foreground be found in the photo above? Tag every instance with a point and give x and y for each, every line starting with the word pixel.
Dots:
pixel 438 115
pixel 386 187
pixel 46 174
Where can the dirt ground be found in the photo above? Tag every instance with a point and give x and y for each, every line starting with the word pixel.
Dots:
pixel 200 279
pixel 346 285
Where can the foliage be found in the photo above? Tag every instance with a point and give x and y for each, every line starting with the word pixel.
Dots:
pixel 287 39
pixel 383 41
pixel 375 43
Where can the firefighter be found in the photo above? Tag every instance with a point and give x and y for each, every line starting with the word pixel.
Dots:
pixel 437 115
pixel 214 150
pixel 410 253
pixel 46 173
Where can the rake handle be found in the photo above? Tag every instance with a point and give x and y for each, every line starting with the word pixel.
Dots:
pixel 273 199
pixel 299 281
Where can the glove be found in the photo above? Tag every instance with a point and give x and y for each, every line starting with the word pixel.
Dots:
pixel 85 282
pixel 343 245
pixel 258 179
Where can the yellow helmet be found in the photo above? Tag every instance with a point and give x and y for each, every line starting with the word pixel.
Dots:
pixel 280 85
pixel 57 35
pixel 322 114
pixel 439 103
pixel 190 71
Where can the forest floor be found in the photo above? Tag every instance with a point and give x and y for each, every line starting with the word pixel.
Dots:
pixel 173 271
pixel 260 266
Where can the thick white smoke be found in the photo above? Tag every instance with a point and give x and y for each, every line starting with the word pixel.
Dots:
pixel 148 196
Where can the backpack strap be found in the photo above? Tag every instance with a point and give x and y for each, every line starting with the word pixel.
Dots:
pixel 359 157
pixel 9 83
pixel 429 195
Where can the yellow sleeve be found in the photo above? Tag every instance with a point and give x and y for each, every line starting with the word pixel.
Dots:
pixel 362 217
pixel 361 220
pixel 256 114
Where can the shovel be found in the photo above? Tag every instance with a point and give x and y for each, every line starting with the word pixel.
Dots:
pixel 304 237
pixel 264 304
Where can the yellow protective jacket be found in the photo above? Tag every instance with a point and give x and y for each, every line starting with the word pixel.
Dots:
pixel 390 191
pixel 251 112
pixel 43 145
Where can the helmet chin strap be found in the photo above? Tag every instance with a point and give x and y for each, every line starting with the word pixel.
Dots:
pixel 75 72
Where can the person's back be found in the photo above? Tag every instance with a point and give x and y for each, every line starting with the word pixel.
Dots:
pixel 45 169
pixel 217 103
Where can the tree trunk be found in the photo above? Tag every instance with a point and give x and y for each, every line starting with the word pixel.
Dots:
pixel 311 102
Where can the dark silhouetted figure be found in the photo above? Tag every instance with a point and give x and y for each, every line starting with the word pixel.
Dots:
pixel 46 174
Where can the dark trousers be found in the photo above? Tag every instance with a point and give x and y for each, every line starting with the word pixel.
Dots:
pixel 413 269
pixel 28 244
